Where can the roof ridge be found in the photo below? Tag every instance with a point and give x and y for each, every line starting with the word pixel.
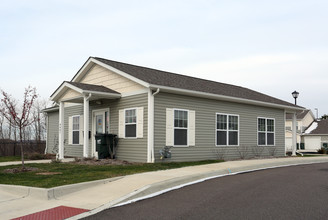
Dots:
pixel 179 74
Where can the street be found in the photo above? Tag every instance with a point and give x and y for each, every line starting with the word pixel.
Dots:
pixel 297 192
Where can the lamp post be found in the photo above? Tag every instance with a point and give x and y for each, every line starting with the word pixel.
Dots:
pixel 295 95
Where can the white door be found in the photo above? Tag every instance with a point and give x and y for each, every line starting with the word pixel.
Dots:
pixel 100 125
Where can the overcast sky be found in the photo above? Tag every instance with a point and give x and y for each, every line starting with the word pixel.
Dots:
pixel 274 47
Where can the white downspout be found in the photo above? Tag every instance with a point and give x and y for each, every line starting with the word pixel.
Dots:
pixel 150 148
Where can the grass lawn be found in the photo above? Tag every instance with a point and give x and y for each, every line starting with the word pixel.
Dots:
pixel 76 173
pixel 10 158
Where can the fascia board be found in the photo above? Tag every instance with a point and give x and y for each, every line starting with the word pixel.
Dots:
pixel 62 90
pixel 101 93
pixel 290 109
pixel 53 109
pixel 314 134
pixel 85 68
pixel 121 73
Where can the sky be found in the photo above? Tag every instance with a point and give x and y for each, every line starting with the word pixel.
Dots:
pixel 273 47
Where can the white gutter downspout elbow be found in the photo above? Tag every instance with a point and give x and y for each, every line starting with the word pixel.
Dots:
pixel 89 96
pixel 157 91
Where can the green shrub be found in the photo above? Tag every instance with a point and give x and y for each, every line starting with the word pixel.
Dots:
pixel 322 151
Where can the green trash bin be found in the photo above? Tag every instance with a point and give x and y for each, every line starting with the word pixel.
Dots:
pixel 111 140
pixel 102 146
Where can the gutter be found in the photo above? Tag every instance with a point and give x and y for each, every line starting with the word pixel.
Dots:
pixel 289 109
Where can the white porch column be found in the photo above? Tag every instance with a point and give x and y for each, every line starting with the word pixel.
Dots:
pixel 86 126
pixel 61 131
pixel 294 137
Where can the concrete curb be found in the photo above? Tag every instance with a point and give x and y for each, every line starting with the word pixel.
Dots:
pixel 55 192
pixel 176 183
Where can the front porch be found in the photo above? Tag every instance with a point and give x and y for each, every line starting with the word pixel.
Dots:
pixel 79 131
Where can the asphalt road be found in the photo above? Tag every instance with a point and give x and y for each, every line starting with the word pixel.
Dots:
pixel 298 192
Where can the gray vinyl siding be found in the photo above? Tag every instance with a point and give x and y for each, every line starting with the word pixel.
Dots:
pixel 205 133
pixel 71 150
pixel 52 132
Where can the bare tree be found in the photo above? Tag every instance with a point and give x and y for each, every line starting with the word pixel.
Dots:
pixel 2 121
pixel 19 117
pixel 39 124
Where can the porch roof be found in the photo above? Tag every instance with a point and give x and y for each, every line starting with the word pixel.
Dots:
pixel 82 89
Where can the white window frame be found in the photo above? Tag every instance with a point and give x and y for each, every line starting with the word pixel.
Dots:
pixel 187 128
pixel 74 116
pixel 266 131
pixel 227 130
pixel 133 123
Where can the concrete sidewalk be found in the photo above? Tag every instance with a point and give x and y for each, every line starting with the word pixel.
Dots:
pixel 32 161
pixel 18 201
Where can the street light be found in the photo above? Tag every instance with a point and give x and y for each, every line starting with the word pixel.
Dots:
pixel 295 95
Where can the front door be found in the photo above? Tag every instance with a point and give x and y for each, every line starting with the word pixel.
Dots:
pixel 100 122
pixel 100 125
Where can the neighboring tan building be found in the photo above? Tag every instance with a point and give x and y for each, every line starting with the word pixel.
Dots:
pixel 316 135
pixel 303 121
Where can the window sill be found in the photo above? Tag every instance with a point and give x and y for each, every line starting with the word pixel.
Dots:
pixel 181 146
pixel 227 145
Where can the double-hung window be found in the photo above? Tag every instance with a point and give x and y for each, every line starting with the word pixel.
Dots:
pixel 227 129
pixel 76 130
pixel 266 131
pixel 130 123
pixel 180 127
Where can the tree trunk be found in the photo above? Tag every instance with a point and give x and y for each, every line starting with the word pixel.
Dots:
pixel 21 147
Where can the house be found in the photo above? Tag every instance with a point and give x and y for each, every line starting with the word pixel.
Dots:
pixel 149 109
pixel 316 135
pixel 304 119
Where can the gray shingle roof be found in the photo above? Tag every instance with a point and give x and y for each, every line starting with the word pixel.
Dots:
pixel 91 87
pixel 163 78
pixel 322 127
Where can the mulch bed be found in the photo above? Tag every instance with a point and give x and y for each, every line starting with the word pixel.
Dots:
pixel 21 170
pixel 102 162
